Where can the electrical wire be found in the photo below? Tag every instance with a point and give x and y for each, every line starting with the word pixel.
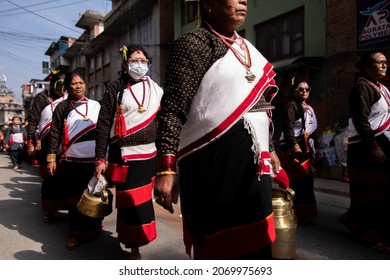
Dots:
pixel 52 21
pixel 20 51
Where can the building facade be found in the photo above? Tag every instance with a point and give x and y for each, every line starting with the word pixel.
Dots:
pixel 96 52
pixel 317 40
pixel 9 108
pixel 29 91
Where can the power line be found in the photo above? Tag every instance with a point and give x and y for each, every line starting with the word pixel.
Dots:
pixel 28 6
pixel 41 9
pixel 19 36
pixel 52 21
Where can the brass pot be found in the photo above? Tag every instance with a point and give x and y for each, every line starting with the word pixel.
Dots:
pixel 95 206
pixel 284 247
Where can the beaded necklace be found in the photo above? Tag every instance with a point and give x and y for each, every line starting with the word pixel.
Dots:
pixel 85 116
pixel 141 107
pixel 244 58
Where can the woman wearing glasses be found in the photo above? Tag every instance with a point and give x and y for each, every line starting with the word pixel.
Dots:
pixel 298 146
pixel 369 154
pixel 127 131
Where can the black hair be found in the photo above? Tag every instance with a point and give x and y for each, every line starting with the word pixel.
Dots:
pixel 133 47
pixel 296 82
pixel 130 49
pixel 69 77
pixel 366 60
pixel 203 11
pixel 54 78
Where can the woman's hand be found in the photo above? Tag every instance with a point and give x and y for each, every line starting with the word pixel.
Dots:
pixel 51 168
pixel 30 150
pixel 38 146
pixel 166 191
pixel 378 155
pixel 100 169
pixel 275 162
pixel 280 176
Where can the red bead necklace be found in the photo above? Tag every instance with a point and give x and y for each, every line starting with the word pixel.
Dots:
pixel 244 59
pixel 141 107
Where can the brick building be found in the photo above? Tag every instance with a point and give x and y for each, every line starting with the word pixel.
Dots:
pixel 343 49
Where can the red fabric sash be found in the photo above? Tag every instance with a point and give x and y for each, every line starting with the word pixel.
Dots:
pixel 65 137
pixel 135 236
pixel 117 172
pixel 234 242
pixel 134 197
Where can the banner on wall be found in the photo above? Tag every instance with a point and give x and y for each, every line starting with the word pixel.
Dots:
pixel 373 24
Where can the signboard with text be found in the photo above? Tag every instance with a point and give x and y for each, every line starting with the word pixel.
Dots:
pixel 373 24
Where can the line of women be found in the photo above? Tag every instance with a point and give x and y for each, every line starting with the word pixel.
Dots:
pixel 80 138
pixel 209 138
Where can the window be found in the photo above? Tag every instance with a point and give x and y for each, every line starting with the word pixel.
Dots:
pixel 99 91
pixel 99 61
pixel 91 93
pixel 281 37
pixel 92 64
pixel 106 56
pixel 189 10
pixel 145 30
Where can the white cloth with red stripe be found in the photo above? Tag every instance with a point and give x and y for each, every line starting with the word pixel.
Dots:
pixel 77 127
pixel 135 120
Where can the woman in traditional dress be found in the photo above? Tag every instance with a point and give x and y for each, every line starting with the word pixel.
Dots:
pixel 369 155
pixel 38 131
pixel 215 125
pixel 14 139
pixel 74 130
pixel 298 150
pixel 127 127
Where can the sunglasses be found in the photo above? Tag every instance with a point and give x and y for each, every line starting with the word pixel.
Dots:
pixel 301 89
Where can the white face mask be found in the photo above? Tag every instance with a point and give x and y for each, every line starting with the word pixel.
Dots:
pixel 137 70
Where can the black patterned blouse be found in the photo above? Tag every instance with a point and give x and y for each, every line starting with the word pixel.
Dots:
pixel 106 120
pixel 190 58
pixel 40 102
pixel 361 99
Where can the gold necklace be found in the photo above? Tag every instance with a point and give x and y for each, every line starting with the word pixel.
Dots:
pixel 244 59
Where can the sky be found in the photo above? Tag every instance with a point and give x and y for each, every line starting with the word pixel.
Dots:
pixel 28 27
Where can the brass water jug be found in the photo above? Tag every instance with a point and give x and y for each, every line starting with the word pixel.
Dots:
pixel 96 206
pixel 284 247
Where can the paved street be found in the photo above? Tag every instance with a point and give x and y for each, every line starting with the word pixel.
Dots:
pixel 23 236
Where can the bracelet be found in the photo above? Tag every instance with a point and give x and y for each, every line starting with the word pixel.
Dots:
pixel 166 163
pixel 51 158
pixel 296 148
pixel 99 161
pixel 166 173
